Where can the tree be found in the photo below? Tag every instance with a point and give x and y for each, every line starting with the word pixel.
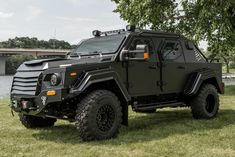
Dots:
pixel 14 62
pixel 199 19
pixel 210 20
pixel 26 42
pixel 215 22
pixel 222 52
pixel 157 14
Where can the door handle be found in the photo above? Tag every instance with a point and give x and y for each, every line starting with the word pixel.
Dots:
pixel 181 67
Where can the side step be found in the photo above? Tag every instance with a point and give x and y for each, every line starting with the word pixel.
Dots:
pixel 146 107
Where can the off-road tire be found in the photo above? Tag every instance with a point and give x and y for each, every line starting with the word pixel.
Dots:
pixel 36 122
pixel 99 116
pixel 206 104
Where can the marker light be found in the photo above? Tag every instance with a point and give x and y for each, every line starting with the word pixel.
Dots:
pixel 51 93
pixel 73 74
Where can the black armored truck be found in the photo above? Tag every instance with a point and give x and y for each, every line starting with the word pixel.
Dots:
pixel 95 83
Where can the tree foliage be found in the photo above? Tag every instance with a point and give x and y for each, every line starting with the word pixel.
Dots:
pixel 223 52
pixel 199 19
pixel 215 22
pixel 26 42
pixel 14 62
pixel 210 20
pixel 157 14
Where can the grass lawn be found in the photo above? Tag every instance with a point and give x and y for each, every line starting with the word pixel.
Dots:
pixel 168 132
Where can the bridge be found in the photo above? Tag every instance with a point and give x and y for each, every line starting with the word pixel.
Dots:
pixel 37 53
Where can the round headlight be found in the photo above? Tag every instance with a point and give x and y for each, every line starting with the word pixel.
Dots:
pixel 55 79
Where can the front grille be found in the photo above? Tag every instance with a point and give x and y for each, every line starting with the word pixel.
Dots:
pixel 25 83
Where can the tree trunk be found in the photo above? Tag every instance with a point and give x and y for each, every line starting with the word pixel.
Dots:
pixel 226 61
pixel 227 67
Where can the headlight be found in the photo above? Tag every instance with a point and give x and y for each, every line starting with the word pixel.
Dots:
pixel 55 79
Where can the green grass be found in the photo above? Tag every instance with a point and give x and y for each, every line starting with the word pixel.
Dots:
pixel 232 70
pixel 169 132
pixel 230 90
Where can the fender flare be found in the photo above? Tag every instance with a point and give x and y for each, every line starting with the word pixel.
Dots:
pixel 196 79
pixel 100 76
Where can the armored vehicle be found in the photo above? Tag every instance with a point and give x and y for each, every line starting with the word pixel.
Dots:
pixel 94 85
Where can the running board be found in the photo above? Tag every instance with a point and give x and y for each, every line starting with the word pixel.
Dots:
pixel 146 107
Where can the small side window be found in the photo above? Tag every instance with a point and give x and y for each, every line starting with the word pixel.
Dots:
pixel 172 51
pixel 198 55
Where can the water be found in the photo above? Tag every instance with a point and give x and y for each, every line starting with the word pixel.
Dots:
pixel 5 86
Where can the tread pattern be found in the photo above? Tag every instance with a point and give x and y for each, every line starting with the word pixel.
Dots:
pixel 198 103
pixel 36 122
pixel 85 116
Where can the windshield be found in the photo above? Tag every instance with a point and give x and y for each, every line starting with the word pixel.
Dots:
pixel 97 45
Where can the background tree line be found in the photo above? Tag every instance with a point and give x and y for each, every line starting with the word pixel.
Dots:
pixel 14 62
pixel 209 20
pixel 32 43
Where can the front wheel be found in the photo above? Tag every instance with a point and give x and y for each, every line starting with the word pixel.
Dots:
pixel 206 104
pixel 98 116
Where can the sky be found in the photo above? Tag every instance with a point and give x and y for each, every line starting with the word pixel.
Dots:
pixel 69 20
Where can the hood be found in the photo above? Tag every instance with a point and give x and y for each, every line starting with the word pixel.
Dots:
pixel 43 64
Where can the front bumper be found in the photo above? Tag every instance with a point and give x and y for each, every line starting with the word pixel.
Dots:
pixel 35 105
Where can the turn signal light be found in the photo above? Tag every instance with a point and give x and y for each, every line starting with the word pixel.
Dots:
pixel 51 93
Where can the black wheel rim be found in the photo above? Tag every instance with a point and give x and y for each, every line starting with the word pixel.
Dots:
pixel 210 103
pixel 105 118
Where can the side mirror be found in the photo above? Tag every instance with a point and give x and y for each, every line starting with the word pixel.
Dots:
pixel 141 53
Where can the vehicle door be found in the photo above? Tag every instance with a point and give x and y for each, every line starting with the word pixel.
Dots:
pixel 173 67
pixel 143 75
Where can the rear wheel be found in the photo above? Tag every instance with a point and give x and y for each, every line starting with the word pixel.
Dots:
pixel 206 104
pixel 36 122
pixel 98 116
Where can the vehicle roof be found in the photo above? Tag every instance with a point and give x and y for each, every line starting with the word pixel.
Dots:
pixel 156 33
pixel 139 32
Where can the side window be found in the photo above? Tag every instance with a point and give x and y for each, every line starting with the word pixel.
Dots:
pixel 172 51
pixel 143 41
pixel 192 53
